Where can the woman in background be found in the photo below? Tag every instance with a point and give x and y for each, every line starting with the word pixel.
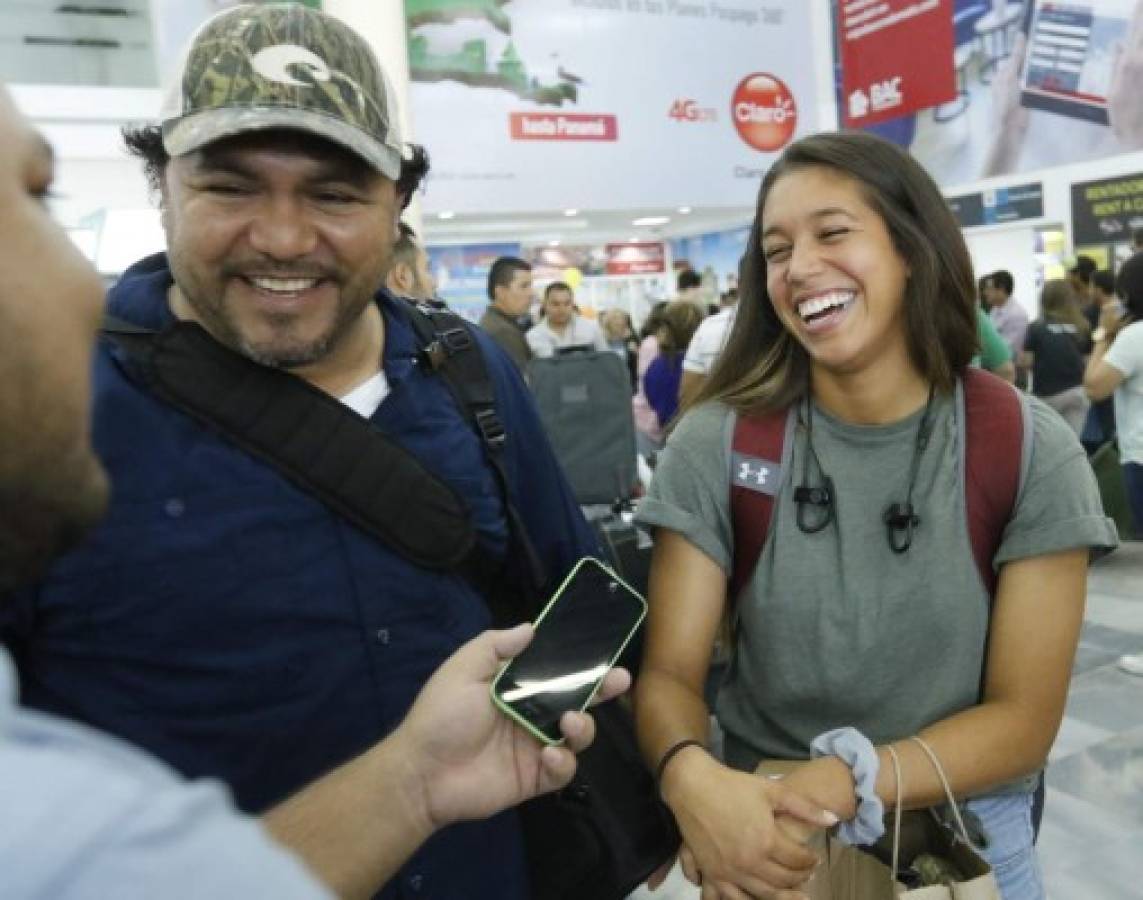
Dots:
pixel 619 332
pixel 663 377
pixel 1054 349
pixel 648 429
pixel 1116 368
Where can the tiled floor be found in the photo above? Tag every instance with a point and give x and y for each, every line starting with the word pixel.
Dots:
pixel 1091 843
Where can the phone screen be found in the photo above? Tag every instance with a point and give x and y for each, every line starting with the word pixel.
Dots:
pixel 1072 47
pixel 579 635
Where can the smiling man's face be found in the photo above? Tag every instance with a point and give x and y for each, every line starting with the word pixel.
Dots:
pixel 278 242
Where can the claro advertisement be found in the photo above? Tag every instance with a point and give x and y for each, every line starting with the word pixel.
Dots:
pixel 543 104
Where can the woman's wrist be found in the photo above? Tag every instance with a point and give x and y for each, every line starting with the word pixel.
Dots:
pixel 684 759
pixel 857 753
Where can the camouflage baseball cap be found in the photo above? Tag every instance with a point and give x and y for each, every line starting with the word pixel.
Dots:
pixel 282 65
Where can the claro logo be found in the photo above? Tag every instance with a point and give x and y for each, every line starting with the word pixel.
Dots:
pixel 764 112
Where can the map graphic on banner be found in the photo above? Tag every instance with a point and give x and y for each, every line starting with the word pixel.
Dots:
pixel 1039 83
pixel 606 104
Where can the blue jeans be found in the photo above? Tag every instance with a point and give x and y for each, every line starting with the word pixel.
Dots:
pixel 1133 482
pixel 1007 821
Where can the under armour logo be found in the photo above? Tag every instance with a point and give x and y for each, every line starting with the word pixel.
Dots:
pixel 273 64
pixel 748 473
pixel 753 473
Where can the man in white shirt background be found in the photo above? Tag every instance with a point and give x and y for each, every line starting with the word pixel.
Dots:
pixel 706 346
pixel 562 326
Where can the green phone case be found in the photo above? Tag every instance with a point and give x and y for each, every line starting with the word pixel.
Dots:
pixel 515 716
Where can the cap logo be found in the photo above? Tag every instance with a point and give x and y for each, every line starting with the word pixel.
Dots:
pixel 273 64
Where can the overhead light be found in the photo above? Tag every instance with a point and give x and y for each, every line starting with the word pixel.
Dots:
pixel 447 214
pixel 684 210
pixel 553 243
pixel 651 220
pixel 571 212
pixel 633 240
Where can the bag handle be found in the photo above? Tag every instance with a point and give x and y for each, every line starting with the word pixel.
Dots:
pixel 945 784
pixel 897 806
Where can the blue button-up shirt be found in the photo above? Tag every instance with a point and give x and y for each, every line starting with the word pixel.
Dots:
pixel 234 626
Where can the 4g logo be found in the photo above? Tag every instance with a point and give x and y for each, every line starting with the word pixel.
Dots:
pixel 689 111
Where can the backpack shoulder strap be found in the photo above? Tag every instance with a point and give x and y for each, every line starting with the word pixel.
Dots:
pixel 997 450
pixel 312 439
pixel 451 350
pixel 758 453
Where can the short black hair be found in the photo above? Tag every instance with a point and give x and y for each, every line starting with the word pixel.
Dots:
pixel 146 143
pixel 1084 268
pixel 1129 286
pixel 1104 280
pixel 1003 279
pixel 414 168
pixel 557 286
pixel 503 271
pixel 688 278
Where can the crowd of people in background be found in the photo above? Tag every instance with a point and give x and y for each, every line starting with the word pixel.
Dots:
pixel 1063 354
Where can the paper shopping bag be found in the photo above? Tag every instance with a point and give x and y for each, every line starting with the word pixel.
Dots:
pixel 941 864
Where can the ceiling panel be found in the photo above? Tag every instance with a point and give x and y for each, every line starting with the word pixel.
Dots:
pixel 80 43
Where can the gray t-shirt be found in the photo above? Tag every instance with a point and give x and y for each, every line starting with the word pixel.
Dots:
pixel 83 815
pixel 835 629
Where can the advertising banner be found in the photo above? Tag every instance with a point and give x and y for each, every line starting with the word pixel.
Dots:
pixel 560 263
pixel 1011 204
pixel 1107 211
pixel 606 104
pixel 1040 83
pixel 720 252
pixel 896 58
pixel 461 273
pixel 636 258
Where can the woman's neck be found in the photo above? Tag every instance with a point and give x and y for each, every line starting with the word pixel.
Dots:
pixel 877 396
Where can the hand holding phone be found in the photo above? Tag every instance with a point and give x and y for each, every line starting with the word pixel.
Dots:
pixel 579 636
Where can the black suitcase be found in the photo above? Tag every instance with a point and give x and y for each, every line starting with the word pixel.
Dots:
pixel 584 399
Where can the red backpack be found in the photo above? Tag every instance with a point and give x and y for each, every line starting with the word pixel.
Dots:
pixel 998 444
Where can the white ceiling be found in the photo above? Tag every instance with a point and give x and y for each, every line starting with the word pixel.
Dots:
pixel 586 227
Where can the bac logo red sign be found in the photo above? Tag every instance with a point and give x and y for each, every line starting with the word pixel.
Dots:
pixel 563 127
pixel 764 112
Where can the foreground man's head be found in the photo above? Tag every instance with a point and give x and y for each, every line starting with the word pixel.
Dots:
pixel 52 488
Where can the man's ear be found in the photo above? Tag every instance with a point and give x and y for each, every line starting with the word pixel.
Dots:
pixel 400 279
pixel 164 203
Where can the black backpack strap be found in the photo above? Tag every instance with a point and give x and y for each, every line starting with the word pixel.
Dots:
pixel 450 349
pixel 313 439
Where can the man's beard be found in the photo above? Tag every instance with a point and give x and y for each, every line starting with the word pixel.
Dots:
pixel 41 519
pixel 211 310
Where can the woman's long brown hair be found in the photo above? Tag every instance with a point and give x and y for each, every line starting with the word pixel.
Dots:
pixel 764 368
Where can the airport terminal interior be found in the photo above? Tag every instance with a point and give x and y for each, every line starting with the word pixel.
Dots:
pixel 590 214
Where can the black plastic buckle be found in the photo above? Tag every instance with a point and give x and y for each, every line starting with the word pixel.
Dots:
pixel 446 344
pixel 454 340
pixel 491 429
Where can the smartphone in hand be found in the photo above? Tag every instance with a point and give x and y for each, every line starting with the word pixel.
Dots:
pixel 579 636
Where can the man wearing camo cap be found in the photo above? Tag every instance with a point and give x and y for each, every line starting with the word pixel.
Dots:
pixel 222 618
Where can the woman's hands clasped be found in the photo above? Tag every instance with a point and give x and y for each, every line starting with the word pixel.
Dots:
pixel 735 844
